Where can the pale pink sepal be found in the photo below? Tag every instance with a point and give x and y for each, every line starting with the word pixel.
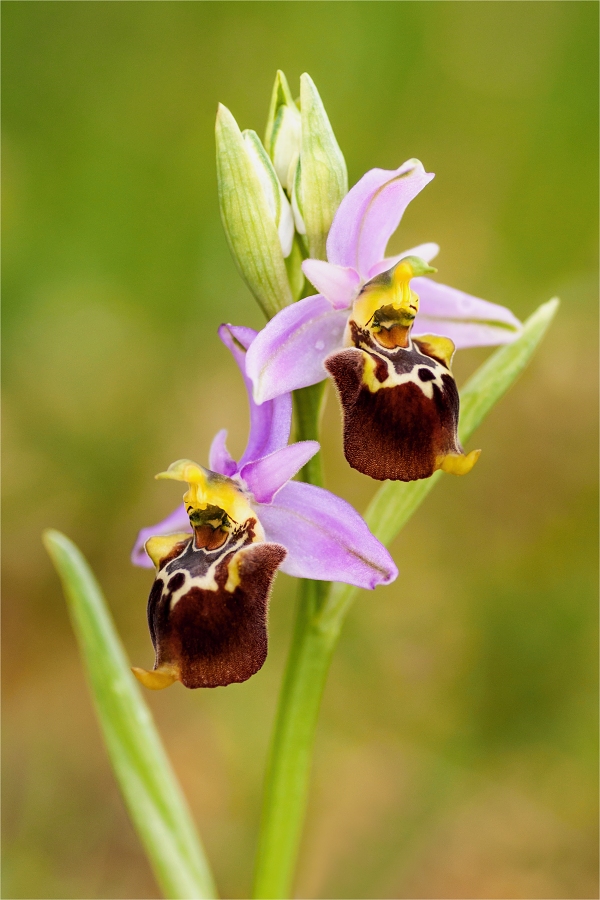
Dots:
pixel 288 353
pixel 370 213
pixel 325 537
pixel 466 320
pixel 270 423
pixel 219 457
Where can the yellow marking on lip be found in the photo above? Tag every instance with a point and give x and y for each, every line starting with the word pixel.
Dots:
pixel 373 384
pixel 435 345
pixel 160 546
pixel 233 573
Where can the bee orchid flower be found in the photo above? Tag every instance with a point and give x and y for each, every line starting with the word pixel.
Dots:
pixel 217 554
pixel 399 424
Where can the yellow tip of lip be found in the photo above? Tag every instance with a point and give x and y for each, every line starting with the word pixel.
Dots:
pixel 457 464
pixel 157 679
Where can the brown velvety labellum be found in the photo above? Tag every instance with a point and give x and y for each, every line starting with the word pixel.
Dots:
pixel 211 635
pixel 400 431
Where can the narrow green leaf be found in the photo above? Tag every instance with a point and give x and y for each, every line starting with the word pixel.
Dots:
pixel 396 501
pixel 147 781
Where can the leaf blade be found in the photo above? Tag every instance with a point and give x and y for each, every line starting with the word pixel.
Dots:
pixel 149 786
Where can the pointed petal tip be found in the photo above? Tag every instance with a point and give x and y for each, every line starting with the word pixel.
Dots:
pixel 224 117
pixel 386 577
pixel 240 335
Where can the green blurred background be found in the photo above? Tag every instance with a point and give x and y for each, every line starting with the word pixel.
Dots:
pixel 456 754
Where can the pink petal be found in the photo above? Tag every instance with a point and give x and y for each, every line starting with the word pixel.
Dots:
pixel 370 213
pixel 270 423
pixel 219 458
pixel 338 284
pixel 325 537
pixel 424 251
pixel 467 320
pixel 266 476
pixel 289 352
pixel 177 521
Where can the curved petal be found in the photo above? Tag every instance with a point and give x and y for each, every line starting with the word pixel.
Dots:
pixel 266 476
pixel 219 458
pixel 270 423
pixel 289 352
pixel 325 537
pixel 424 251
pixel 177 521
pixel 338 284
pixel 467 320
pixel 370 213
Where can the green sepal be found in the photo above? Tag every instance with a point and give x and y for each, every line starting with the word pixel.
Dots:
pixel 248 221
pixel 323 179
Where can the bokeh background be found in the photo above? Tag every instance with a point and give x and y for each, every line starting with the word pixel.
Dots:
pixel 456 754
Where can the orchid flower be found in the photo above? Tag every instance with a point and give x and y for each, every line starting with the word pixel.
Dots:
pixel 303 342
pixel 217 554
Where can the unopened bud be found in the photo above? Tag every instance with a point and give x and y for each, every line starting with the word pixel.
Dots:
pixel 321 178
pixel 279 205
pixel 283 132
pixel 255 213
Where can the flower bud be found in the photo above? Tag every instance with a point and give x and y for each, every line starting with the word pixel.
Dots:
pixel 283 132
pixel 321 179
pixel 278 203
pixel 255 212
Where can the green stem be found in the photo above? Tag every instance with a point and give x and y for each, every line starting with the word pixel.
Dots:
pixel 288 767
pixel 321 611
pixel 308 407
